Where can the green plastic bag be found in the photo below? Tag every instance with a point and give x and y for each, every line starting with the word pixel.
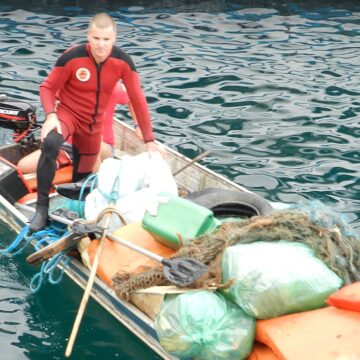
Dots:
pixel 273 279
pixel 204 325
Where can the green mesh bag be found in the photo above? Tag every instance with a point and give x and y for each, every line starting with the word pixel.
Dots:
pixel 204 325
pixel 273 279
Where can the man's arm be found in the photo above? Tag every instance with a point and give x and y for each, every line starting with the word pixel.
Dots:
pixel 55 80
pixel 136 125
pixel 48 89
pixel 137 98
pixel 150 145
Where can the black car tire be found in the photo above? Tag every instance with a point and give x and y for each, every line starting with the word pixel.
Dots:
pixel 232 203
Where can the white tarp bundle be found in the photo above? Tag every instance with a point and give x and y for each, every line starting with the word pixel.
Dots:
pixel 134 182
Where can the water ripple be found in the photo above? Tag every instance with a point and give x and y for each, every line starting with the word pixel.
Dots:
pixel 274 92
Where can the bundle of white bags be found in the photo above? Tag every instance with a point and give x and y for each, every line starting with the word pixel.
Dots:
pixel 133 182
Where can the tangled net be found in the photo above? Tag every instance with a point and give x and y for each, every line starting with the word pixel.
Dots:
pixel 327 233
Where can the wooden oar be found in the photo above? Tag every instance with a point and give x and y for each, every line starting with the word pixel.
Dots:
pixel 78 229
pixel 52 249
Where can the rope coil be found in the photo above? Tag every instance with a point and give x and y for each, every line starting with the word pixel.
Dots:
pixel 40 239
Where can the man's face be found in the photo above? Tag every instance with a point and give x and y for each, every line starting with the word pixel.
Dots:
pixel 101 42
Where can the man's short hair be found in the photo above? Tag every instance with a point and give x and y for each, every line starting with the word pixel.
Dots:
pixel 102 21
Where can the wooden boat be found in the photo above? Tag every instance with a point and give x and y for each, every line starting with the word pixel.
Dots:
pixel 193 178
pixel 16 210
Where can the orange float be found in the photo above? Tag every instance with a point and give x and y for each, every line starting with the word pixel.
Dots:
pixel 323 334
pixel 118 258
pixel 348 297
pixel 262 352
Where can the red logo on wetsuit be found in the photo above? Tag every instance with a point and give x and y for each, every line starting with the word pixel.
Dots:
pixel 83 74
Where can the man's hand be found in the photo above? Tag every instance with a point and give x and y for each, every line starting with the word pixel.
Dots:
pixel 51 122
pixel 151 146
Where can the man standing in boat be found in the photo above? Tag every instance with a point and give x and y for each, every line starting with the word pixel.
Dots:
pixel 28 164
pixel 74 97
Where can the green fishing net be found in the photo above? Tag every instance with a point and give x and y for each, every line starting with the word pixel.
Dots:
pixel 326 232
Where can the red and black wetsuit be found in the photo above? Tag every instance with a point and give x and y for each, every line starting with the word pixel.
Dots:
pixel 79 89
pixel 83 89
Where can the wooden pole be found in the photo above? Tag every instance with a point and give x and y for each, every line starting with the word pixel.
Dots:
pixel 194 160
pixel 88 288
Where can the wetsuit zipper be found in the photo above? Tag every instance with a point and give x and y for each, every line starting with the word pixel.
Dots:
pixel 98 68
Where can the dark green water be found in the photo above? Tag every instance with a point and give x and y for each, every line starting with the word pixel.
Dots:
pixel 272 87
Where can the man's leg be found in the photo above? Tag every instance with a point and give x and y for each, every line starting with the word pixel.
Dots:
pixel 77 176
pixel 45 174
pixel 86 147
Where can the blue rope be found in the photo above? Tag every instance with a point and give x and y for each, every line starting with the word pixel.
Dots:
pixel 41 237
pixel 22 248
pixel 92 178
pixel 52 267
pixel 48 270
pixel 38 279
pixel 78 205
pixel 58 227
pixel 47 237
pixel 114 195
pixel 16 242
